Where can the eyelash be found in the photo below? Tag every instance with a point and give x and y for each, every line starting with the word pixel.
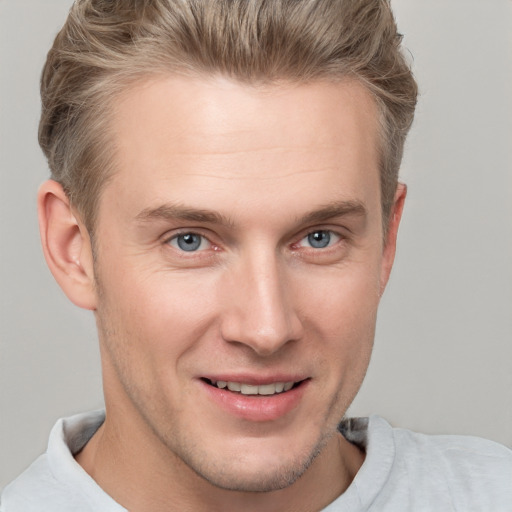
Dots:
pixel 331 233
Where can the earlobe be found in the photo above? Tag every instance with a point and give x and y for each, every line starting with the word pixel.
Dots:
pixel 66 245
pixel 391 235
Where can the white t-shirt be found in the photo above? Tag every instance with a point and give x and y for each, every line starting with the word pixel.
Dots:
pixel 402 471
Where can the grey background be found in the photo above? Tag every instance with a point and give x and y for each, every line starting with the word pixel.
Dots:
pixel 443 356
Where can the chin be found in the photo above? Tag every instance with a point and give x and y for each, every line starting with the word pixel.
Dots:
pixel 257 479
pixel 252 471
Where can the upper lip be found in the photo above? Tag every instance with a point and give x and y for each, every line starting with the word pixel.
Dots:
pixel 254 380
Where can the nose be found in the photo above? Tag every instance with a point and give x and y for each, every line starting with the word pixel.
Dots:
pixel 261 311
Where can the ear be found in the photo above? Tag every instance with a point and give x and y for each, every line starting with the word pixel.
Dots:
pixel 66 245
pixel 390 242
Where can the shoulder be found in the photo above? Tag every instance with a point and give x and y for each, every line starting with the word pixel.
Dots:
pixel 30 491
pixel 55 481
pixel 405 470
pixel 453 454
pixel 472 473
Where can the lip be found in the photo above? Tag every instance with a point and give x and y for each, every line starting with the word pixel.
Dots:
pixel 256 408
pixel 255 380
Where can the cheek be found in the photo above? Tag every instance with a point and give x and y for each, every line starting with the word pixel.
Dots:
pixel 158 315
pixel 149 327
pixel 345 298
pixel 341 312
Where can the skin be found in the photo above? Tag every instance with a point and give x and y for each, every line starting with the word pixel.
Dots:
pixel 253 171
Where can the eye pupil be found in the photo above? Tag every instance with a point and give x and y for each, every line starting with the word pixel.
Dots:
pixel 319 239
pixel 189 242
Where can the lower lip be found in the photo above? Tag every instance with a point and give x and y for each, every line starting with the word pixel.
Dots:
pixel 257 408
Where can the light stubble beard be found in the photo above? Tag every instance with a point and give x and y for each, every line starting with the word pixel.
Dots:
pixel 223 477
pixel 223 474
pixel 186 452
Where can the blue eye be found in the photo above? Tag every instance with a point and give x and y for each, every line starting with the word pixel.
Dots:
pixel 188 242
pixel 320 239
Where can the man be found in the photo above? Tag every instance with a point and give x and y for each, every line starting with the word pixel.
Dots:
pixel 225 199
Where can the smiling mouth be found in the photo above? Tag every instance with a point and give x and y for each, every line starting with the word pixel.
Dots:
pixel 274 388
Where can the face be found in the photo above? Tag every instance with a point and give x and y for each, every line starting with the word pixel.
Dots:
pixel 239 268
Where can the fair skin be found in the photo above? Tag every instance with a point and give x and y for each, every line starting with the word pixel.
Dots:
pixel 240 240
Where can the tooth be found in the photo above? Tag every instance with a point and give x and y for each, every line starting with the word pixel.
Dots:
pixel 267 389
pixel 288 386
pixel 247 389
pixel 279 387
pixel 234 386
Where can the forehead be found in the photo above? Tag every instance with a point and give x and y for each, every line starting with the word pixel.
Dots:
pixel 180 109
pixel 220 143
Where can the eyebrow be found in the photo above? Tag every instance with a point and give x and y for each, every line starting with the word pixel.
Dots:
pixel 178 212
pixel 333 210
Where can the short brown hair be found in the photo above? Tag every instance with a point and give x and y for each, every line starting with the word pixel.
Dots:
pixel 105 45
